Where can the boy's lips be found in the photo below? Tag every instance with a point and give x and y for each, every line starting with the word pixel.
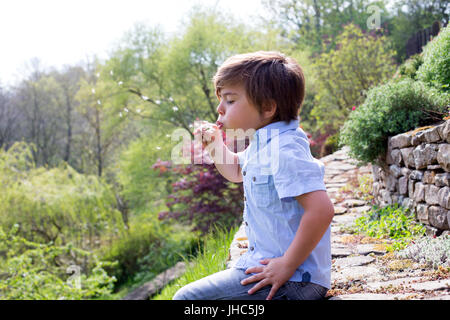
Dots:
pixel 219 124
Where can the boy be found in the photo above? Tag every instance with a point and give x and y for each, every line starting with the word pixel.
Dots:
pixel 287 212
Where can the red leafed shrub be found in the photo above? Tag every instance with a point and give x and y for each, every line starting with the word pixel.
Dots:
pixel 201 196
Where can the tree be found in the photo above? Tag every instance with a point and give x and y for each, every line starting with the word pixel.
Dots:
pixel 308 23
pixel 359 61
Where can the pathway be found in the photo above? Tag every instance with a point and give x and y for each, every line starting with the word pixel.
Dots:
pixel 361 268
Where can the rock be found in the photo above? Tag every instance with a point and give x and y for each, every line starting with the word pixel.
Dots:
pixel 416 175
pixel 431 285
pixel 339 210
pixel 437 216
pixel 368 296
pixel 418 138
pixel 401 282
pixel 360 210
pixel 400 141
pixel 422 212
pixel 365 249
pixel 411 188
pixel 443 156
pixel 395 170
pixel 408 157
pixel 445 132
pixel 355 273
pixel 444 197
pixel 353 261
pixel 148 289
pixel 350 203
pixel 340 252
pixel 403 185
pixel 431 194
pixel 442 179
pixel 428 177
pixel 432 134
pixel 419 192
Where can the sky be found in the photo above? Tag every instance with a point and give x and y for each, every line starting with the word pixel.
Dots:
pixel 62 32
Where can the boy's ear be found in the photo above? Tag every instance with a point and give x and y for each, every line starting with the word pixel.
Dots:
pixel 269 109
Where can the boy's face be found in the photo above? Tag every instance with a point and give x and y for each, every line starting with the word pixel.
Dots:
pixel 236 111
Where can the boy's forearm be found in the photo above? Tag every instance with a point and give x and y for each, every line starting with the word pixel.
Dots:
pixel 227 163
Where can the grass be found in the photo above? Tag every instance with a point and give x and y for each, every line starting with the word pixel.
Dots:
pixel 211 258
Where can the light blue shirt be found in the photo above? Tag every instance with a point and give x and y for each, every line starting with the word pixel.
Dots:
pixel 276 167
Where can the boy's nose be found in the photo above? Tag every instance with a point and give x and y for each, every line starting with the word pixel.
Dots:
pixel 220 109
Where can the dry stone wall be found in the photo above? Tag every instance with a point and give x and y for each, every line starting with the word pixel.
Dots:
pixel 416 175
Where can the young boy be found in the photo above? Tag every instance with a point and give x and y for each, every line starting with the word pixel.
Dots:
pixel 287 212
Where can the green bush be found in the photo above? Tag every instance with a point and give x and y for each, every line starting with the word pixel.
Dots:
pixel 390 109
pixel 433 252
pixel 148 249
pixel 34 271
pixel 409 67
pixel 392 222
pixel 58 205
pixel 436 61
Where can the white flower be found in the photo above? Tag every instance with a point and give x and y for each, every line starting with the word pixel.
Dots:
pixel 158 101
pixel 125 109
pixel 93 90
pixel 171 99
pixel 120 114
pixel 111 72
pixel 138 110
pixel 175 108
pixel 98 75
pixel 120 83
pixel 144 97
pixel 158 148
pixel 99 102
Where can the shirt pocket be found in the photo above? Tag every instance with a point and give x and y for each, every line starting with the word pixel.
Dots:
pixel 260 190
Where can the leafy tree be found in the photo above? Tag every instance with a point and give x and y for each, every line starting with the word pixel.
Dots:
pixel 360 61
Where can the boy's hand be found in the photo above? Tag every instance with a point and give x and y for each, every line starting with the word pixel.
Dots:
pixel 275 272
pixel 211 136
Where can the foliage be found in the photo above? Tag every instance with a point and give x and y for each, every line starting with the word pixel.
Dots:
pixel 34 271
pixel 58 205
pixel 433 252
pixel 409 67
pixel 147 250
pixel 435 69
pixel 390 109
pixel 212 258
pixel 393 222
pixel 359 61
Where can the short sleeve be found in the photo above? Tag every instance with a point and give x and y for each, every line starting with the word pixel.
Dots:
pixel 298 171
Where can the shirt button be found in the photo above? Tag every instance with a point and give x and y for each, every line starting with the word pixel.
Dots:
pixel 244 173
pixel 254 179
pixel 252 248
pixel 245 199
pixel 246 223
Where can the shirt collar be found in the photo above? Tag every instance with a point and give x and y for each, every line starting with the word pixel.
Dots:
pixel 275 128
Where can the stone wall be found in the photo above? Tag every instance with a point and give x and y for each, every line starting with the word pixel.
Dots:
pixel 416 175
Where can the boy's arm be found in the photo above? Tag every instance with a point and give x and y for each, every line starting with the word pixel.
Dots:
pixel 231 171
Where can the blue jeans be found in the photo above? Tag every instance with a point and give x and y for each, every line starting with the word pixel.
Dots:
pixel 226 285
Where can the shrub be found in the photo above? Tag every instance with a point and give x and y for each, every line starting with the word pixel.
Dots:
pixel 392 222
pixel 34 271
pixel 433 252
pixel 390 109
pixel 436 61
pixel 58 205
pixel 201 197
pixel 409 67
pixel 147 248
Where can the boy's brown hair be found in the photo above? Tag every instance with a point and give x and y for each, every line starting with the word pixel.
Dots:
pixel 267 76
